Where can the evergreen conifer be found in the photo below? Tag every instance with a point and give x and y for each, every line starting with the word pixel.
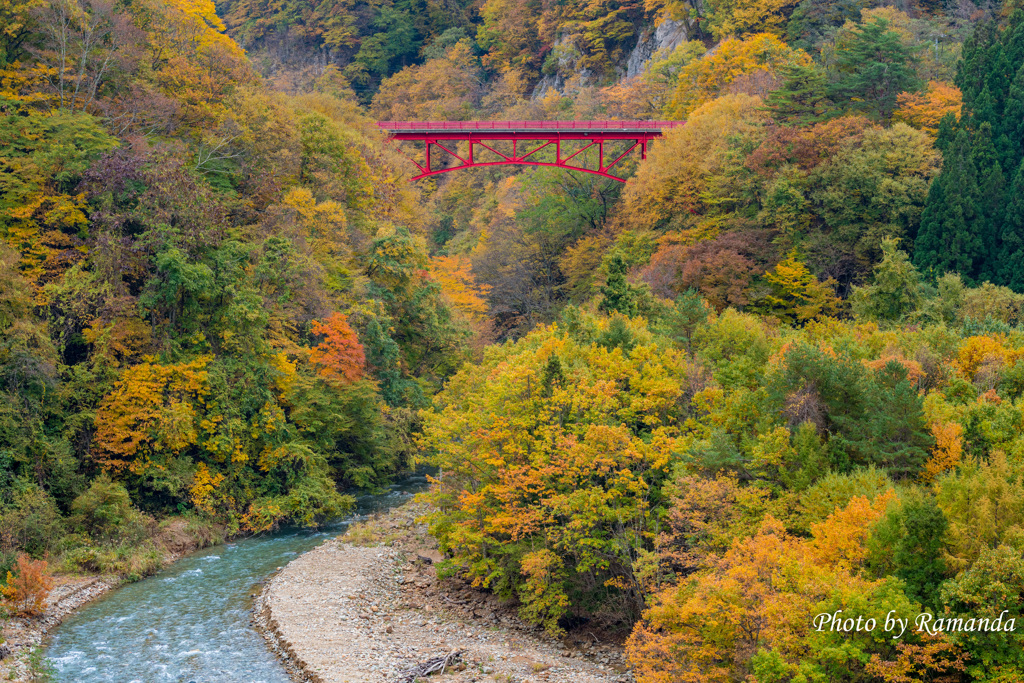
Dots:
pixel 973 223
pixel 948 240
pixel 802 99
pixel 619 295
pixel 1011 254
pixel 876 68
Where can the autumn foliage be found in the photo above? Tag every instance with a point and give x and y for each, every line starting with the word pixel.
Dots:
pixel 27 587
pixel 753 610
pixel 339 356
pixel 925 110
pixel 549 480
pixel 778 372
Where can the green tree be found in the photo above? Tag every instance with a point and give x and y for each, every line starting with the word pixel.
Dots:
pixel 813 20
pixel 991 197
pixel 908 543
pixel 1011 255
pixel 873 68
pixel 949 240
pixel 869 417
pixel 993 585
pixel 618 294
pixel 895 291
pixel 970 222
pixel 918 555
pixel 393 45
pixel 802 99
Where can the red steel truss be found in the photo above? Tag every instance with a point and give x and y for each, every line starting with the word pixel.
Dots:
pixel 542 135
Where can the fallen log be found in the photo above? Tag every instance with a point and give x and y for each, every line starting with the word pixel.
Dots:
pixel 435 665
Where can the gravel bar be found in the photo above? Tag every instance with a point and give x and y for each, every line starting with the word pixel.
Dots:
pixel 342 613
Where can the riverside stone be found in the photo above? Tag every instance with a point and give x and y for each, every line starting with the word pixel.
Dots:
pixel 325 638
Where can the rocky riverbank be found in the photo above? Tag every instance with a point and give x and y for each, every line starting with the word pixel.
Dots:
pixel 369 606
pixel 23 636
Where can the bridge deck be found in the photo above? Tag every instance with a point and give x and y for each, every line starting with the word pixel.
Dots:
pixel 545 143
pixel 520 127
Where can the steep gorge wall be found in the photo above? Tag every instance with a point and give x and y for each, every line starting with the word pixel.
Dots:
pixel 666 35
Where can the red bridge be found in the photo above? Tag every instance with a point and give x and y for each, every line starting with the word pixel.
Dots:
pixel 545 143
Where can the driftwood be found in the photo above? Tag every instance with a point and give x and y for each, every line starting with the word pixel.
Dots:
pixel 435 665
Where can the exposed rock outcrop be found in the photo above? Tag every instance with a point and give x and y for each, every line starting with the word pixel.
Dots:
pixel 666 36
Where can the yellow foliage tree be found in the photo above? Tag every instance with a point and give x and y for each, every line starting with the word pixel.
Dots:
pixel 204 484
pixel 459 287
pixel 984 503
pixel 978 350
pixel 704 79
pixel 541 450
pixel 796 295
pixel 647 94
pixel 739 17
pixel 509 34
pixel 190 56
pixel 760 599
pixel 948 450
pixel 151 409
pixel 674 180
pixel 447 88
pixel 322 220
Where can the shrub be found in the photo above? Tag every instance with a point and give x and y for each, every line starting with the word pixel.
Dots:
pixel 105 512
pixel 32 523
pixel 129 561
pixel 25 592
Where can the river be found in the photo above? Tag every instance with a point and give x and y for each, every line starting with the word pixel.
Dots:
pixel 192 621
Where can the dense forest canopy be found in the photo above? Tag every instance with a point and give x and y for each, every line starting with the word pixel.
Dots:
pixel 777 373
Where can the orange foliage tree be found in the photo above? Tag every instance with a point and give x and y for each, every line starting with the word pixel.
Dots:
pixel 26 590
pixel 925 110
pixel 339 356
pixel 752 615
pixel 936 654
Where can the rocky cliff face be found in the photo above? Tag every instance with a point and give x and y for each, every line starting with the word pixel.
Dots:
pixel 666 35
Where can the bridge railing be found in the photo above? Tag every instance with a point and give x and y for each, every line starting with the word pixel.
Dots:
pixel 533 125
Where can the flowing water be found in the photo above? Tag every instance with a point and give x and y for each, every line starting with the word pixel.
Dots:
pixel 191 622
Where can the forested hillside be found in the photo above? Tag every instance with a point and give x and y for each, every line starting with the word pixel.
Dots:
pixel 777 373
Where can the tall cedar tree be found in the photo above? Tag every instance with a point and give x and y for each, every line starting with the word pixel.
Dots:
pixel 948 240
pixel 619 295
pixel 1012 239
pixel 971 224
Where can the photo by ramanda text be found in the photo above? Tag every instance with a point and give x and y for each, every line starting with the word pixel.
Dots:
pixel 925 622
